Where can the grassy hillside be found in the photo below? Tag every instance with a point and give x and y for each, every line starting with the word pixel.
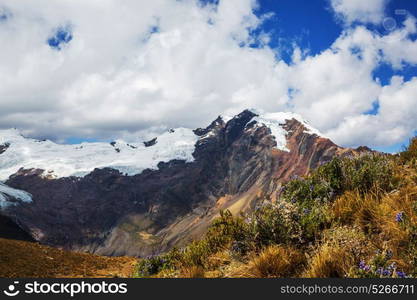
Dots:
pixel 353 217
pixel 27 259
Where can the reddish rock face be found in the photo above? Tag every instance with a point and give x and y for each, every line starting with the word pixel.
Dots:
pixel 236 166
pixel 307 151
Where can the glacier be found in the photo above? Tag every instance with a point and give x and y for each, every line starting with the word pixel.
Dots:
pixel 60 160
pixel 7 192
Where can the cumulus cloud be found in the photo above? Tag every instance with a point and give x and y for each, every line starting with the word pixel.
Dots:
pixel 350 11
pixel 109 69
pixel 131 66
pixel 394 123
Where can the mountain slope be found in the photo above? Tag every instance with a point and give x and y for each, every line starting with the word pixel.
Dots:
pixel 22 259
pixel 351 217
pixel 234 165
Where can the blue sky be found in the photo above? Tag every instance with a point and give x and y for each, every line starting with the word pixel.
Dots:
pixel 89 72
pixel 312 24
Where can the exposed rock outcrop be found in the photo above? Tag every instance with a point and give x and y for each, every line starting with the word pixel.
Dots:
pixel 4 147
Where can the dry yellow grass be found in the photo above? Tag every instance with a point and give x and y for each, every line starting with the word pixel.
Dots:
pixel 218 260
pixel 192 272
pixel 275 261
pixel 330 261
pixel 394 235
pixel 27 259
pixel 342 248
pixel 346 207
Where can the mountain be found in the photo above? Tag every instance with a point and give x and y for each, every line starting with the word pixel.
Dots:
pixel 142 199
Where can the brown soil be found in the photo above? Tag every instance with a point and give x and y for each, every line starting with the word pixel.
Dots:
pixel 27 259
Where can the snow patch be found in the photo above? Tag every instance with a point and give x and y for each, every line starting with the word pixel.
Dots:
pixel 7 192
pixel 79 160
pixel 275 121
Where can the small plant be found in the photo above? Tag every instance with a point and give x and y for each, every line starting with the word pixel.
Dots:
pixel 313 221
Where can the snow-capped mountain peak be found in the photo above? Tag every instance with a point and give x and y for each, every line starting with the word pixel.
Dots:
pixel 275 122
pixel 64 160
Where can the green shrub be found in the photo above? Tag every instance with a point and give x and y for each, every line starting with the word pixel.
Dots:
pixel 227 229
pixel 196 253
pixel 312 222
pixel 267 225
pixel 307 192
pixel 409 154
pixel 154 264
pixel 313 194
pixel 362 173
pixel 150 266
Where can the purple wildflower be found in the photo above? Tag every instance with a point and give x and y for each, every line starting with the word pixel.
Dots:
pixel 363 266
pixel 399 217
pixel 401 274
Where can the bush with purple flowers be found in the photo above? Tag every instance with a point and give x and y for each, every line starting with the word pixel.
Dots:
pixel 379 266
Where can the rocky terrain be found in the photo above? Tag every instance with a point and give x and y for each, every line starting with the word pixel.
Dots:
pixel 236 164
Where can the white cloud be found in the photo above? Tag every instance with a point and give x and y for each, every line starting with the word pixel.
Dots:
pixel 116 75
pixel 336 88
pixel 138 66
pixel 336 83
pixel 364 11
pixel 395 122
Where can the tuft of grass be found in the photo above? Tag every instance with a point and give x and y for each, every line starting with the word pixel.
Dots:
pixel 330 261
pixel 192 272
pixel 346 207
pixel 341 247
pixel 353 208
pixel 276 261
